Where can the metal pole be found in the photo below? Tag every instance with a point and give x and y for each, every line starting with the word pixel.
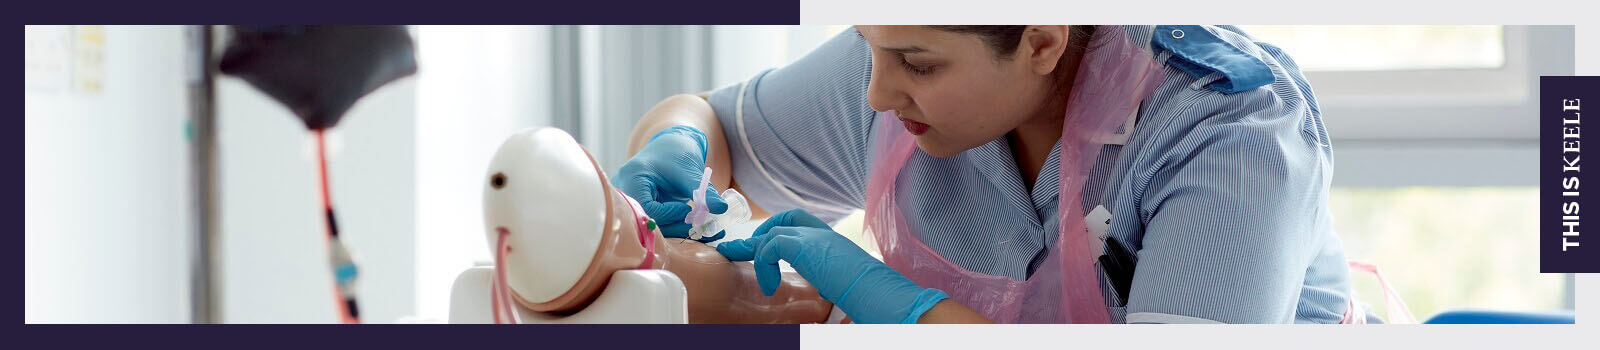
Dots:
pixel 204 302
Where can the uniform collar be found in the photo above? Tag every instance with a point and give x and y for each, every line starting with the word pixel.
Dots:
pixel 995 162
pixel 1219 57
pixel 994 159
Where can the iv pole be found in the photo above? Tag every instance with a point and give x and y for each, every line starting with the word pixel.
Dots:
pixel 203 293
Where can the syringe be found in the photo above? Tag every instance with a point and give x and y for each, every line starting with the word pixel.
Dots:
pixel 702 223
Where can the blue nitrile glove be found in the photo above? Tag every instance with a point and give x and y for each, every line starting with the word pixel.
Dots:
pixel 663 176
pixel 864 287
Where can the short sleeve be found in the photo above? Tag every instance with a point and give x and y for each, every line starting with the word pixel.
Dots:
pixel 1233 215
pixel 799 135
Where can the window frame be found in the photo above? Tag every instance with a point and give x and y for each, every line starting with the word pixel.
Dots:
pixel 1433 127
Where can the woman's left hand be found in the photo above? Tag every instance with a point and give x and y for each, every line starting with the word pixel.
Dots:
pixel 864 287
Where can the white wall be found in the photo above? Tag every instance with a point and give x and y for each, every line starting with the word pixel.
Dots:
pixel 739 52
pixel 274 259
pixel 477 85
pixel 106 191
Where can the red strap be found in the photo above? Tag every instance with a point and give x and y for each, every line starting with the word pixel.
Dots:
pixel 499 292
pixel 345 303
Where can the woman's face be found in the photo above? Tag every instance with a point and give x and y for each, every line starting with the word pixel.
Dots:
pixel 952 90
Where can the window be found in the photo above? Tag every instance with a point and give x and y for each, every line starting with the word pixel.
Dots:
pixel 1405 82
pixel 1387 48
pixel 1434 149
pixel 1448 248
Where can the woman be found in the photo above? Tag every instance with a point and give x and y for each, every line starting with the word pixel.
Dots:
pixel 1022 174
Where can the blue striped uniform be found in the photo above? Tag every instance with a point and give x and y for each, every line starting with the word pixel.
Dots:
pixel 1220 188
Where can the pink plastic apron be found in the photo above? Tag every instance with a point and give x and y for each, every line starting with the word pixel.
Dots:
pixel 1114 75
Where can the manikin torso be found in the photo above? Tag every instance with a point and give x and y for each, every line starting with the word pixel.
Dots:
pixel 567 230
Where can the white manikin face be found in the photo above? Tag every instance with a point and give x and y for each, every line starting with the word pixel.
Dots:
pixel 543 189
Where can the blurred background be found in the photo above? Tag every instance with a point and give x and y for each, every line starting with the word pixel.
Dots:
pixel 1433 130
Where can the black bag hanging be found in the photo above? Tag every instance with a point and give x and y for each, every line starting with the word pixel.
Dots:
pixel 318 72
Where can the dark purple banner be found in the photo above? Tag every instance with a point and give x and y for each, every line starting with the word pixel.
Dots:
pixel 1563 248
pixel 630 12
pixel 440 336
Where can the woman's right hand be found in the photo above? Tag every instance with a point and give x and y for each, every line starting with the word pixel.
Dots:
pixel 663 177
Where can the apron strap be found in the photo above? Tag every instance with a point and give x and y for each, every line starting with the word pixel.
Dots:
pixel 1396 307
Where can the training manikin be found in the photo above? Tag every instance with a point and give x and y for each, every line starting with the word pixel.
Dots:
pixel 560 230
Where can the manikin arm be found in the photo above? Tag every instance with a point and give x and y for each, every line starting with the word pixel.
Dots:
pixel 721 291
pixel 725 292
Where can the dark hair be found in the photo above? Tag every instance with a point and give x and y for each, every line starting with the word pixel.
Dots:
pixel 1004 40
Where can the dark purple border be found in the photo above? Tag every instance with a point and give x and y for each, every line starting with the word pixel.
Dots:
pixel 435 337
pixel 409 12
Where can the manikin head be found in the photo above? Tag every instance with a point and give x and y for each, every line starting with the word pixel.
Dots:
pixel 568 230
